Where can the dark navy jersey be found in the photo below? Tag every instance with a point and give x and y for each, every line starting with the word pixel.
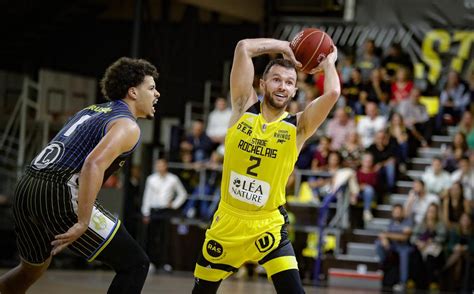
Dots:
pixel 66 153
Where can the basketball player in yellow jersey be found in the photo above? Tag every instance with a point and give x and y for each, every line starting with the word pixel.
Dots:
pixel 261 148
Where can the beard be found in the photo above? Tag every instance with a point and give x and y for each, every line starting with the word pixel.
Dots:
pixel 268 98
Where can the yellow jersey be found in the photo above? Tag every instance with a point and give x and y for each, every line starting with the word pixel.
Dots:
pixel 259 157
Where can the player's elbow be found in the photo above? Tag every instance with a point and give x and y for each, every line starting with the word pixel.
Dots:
pixel 92 166
pixel 242 46
pixel 334 93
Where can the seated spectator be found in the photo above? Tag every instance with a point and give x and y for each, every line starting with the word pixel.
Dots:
pixel 460 252
pixel 383 151
pixel 436 179
pixel 198 142
pixel 352 150
pixel 466 124
pixel 454 99
pixel 429 237
pixel 395 59
pixel 418 201
pixel 320 157
pixel 368 59
pixel 345 67
pixel 370 124
pixel 416 119
pixel 453 153
pixel 218 121
pixel 454 205
pixel 367 179
pixel 399 133
pixel 401 87
pixel 465 175
pixel 339 127
pixel 396 240
pixel 351 91
pixel 378 91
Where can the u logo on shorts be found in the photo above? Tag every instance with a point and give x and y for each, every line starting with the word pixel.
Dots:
pixel 265 242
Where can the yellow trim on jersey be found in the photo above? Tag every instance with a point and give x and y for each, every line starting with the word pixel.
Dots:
pixel 280 264
pixel 211 274
pixel 32 264
pixel 111 236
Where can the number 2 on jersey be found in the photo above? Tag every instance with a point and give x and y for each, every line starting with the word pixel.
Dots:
pixel 253 166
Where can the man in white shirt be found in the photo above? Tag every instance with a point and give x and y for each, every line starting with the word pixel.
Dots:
pixel 164 194
pixel 370 124
pixel 465 175
pixel 436 179
pixel 418 201
pixel 218 121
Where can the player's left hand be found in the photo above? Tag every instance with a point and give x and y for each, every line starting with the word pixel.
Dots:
pixel 330 59
pixel 63 240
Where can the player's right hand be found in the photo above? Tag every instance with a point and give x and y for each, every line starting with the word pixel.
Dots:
pixel 288 54
pixel 63 240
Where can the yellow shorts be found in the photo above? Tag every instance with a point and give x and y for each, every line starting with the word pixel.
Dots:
pixel 238 236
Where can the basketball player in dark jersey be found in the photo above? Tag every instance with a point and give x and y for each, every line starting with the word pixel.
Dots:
pixel 55 201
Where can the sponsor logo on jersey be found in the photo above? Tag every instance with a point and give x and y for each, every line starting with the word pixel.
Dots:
pixel 265 242
pixel 99 220
pixel 248 190
pixel 99 109
pixel 214 249
pixel 282 136
pixel 49 155
pixel 245 128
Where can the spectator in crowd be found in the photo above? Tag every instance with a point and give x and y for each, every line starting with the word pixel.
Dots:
pixel 466 124
pixel 293 107
pixel 401 87
pixel 163 195
pixel 396 239
pixel 351 91
pixel 454 205
pixel 398 131
pixel 429 237
pixel 465 175
pixel 305 157
pixel 368 59
pixel 205 196
pixel 460 252
pixel 367 179
pixel 345 67
pixel 383 151
pixel 395 59
pixel 418 201
pixel 416 119
pixel 198 142
pixel 457 149
pixel 188 175
pixel 378 91
pixel 370 124
pixel 352 150
pixel 339 127
pixel 436 179
pixel 218 121
pixel 454 99
pixel 321 154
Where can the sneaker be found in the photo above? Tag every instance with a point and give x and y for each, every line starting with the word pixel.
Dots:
pixel 367 215
pixel 400 287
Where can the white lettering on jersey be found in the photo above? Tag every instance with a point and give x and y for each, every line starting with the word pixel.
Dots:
pixel 248 190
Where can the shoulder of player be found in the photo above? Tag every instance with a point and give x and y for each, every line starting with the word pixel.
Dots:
pixel 126 124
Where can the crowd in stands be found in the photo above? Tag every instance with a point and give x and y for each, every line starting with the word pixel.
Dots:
pixel 379 124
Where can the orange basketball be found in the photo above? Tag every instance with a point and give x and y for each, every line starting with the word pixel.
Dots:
pixel 310 47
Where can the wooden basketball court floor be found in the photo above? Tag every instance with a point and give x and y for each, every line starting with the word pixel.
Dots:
pixel 95 282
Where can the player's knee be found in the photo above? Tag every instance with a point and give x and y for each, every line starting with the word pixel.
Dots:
pixel 205 287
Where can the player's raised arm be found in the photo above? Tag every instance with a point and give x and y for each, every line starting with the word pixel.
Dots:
pixel 316 112
pixel 242 74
